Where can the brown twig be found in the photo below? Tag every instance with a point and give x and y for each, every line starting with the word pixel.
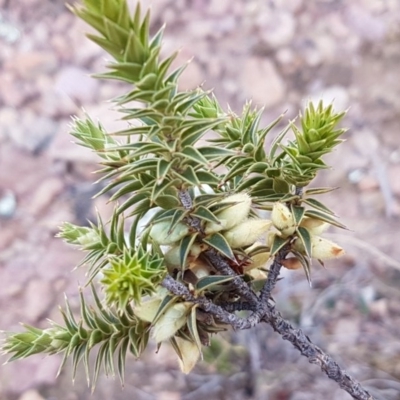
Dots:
pixel 238 306
pixel 178 289
pixel 315 355
pixel 186 200
pixel 273 275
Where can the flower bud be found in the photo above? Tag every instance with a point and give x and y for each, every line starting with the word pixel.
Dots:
pixel 324 249
pixel 314 226
pixel 161 234
pixel 247 232
pixel 231 216
pixel 283 219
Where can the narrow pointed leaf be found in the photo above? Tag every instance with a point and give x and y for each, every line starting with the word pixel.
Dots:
pixel 305 238
pixel 128 188
pixel 167 302
pixel 324 217
pixel 198 129
pixel 134 200
pixel 210 282
pixel 239 168
pixel 259 167
pixel 207 178
pixel 276 143
pixel 177 217
pixel 212 153
pixel 121 235
pixel 298 213
pixel 192 325
pixel 158 189
pixel 76 358
pixel 184 249
pixel 248 183
pixel 318 205
pixel 85 313
pixel 193 154
pixel 112 185
pixel 189 176
pixel 278 244
pixel 167 202
pixel 176 347
pixel 205 214
pixel 163 166
pixel 184 106
pixel 219 243
pixel 133 339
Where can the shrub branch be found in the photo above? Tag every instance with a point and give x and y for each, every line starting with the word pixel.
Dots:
pixel 192 202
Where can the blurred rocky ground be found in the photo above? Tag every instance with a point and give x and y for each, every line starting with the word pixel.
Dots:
pixel 280 54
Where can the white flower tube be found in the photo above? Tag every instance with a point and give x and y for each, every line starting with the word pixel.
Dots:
pixel 231 216
pixel 160 232
pixel 283 219
pixel 324 249
pixel 247 232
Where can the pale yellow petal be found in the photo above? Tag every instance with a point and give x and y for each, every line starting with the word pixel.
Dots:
pixel 147 310
pixel 173 319
pixel 247 232
pixel 190 354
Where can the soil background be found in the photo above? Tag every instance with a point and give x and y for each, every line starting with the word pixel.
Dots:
pixel 280 54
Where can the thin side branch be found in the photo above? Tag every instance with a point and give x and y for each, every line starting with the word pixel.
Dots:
pixel 273 275
pixel 238 306
pixel 187 203
pixel 315 355
pixel 178 289
pixel 186 200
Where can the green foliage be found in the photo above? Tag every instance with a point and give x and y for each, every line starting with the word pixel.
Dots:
pixel 317 138
pixel 177 199
pixel 131 276
pixel 111 334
